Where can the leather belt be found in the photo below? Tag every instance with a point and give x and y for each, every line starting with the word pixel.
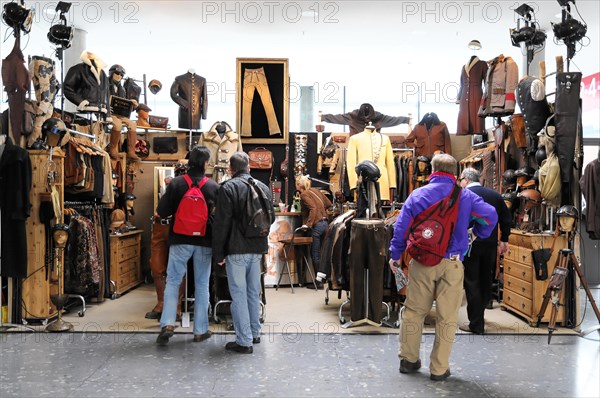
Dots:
pixel 162 221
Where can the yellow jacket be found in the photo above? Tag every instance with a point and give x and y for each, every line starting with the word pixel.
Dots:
pixel 377 148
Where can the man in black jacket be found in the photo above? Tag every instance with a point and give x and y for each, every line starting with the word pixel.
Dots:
pixel 183 247
pixel 480 264
pixel 240 254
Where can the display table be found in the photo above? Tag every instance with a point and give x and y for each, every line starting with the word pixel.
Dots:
pixel 282 228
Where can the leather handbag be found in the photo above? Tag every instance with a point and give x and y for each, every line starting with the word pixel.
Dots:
pixel 165 145
pixel 158 121
pixel 261 159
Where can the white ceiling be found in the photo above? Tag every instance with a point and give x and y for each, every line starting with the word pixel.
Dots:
pixel 377 50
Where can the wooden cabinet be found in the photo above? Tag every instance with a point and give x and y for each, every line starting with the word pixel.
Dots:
pixel 125 263
pixel 523 293
pixel 40 283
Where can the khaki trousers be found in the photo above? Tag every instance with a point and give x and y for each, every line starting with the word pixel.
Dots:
pixel 255 80
pixel 444 284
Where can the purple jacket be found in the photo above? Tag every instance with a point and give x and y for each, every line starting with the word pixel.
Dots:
pixel 471 208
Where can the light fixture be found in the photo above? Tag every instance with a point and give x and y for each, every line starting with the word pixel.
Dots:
pixel 569 30
pixel 61 34
pixel 18 17
pixel 474 45
pixel 529 35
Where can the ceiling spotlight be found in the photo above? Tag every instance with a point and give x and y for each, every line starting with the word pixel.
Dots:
pixel 18 17
pixel 61 34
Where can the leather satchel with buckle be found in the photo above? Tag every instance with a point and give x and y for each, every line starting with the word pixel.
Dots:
pixel 261 159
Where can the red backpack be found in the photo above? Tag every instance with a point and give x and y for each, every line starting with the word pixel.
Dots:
pixel 192 213
pixel 431 231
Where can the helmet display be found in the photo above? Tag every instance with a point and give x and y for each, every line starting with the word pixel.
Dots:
pixel 531 196
pixel 53 131
pixel 509 199
pixel 536 178
pixel 423 165
pixel 567 211
pixel 118 69
pixel 567 218
pixel 155 86
pixel 540 155
pixel 509 177
pixel 368 170
pixel 525 171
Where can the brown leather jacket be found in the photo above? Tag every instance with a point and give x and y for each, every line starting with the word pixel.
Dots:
pixel 314 206
pixel 426 142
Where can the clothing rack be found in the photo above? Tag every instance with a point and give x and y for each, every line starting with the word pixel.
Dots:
pixel 90 136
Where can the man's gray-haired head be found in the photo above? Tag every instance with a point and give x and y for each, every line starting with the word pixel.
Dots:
pixel 444 163
pixel 470 174
pixel 239 162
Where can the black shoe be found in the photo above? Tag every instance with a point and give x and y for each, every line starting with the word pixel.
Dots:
pixel 256 340
pixel 466 328
pixel 409 367
pixel 165 334
pixel 233 346
pixel 441 377
pixel 490 305
pixel 153 315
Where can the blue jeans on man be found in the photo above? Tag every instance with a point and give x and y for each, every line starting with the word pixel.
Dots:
pixel 243 276
pixel 176 269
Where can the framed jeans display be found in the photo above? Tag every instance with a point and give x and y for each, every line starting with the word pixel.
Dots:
pixel 262 100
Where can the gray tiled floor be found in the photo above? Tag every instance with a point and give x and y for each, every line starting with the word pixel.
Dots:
pixel 79 365
pixel 335 365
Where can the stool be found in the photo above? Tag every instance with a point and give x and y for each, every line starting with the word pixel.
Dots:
pixel 304 243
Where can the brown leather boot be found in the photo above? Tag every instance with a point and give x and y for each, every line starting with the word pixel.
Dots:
pixel 131 141
pixel 115 140
pixel 159 283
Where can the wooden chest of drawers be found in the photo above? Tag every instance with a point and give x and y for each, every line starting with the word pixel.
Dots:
pixel 523 293
pixel 125 266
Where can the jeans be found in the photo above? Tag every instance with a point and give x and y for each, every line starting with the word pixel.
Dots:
pixel 255 80
pixel 318 234
pixel 176 269
pixel 243 276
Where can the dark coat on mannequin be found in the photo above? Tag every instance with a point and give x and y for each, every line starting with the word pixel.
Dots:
pixel 189 92
pixel 430 135
pixel 358 119
pixel 15 187
pixel 469 97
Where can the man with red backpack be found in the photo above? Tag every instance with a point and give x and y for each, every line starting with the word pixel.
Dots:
pixel 190 198
pixel 442 279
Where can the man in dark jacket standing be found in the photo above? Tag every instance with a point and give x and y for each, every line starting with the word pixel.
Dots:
pixel 183 247
pixel 442 282
pixel 480 264
pixel 240 254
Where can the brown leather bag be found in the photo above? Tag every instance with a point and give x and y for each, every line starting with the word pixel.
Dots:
pixel 261 159
pixel 158 122
pixel 517 126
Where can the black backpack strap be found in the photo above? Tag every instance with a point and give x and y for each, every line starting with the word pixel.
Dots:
pixel 455 192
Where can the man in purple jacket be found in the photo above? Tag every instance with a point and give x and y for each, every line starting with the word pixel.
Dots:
pixel 443 282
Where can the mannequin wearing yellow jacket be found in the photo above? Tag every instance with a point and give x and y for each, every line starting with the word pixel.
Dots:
pixel 374 146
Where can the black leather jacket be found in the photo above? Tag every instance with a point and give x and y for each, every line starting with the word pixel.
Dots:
pixel 81 84
pixel 227 235
pixel 189 92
